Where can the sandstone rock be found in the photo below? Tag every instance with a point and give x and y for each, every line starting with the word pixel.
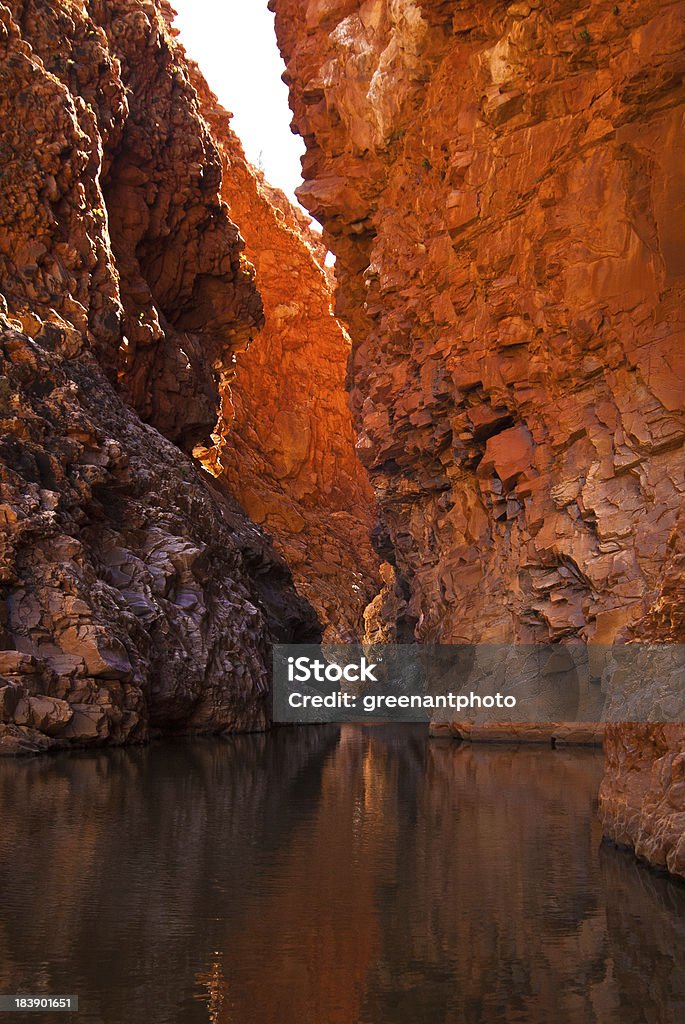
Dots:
pixel 386 619
pixel 17 740
pixel 15 663
pixel 642 799
pixel 552 734
pixel 88 723
pixel 44 714
pixel 10 696
pixel 148 526
pixel 504 229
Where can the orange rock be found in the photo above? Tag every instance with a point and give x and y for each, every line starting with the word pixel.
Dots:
pixel 504 192
pixel 285 445
pixel 136 597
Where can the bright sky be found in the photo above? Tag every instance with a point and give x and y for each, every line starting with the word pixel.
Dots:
pixel 234 43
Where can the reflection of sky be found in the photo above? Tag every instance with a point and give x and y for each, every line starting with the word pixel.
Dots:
pixel 234 43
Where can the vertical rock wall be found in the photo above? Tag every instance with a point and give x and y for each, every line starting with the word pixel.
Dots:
pixel 503 186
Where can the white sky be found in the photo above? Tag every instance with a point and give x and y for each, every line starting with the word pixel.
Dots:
pixel 234 43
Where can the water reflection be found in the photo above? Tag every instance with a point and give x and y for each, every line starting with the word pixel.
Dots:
pixel 319 875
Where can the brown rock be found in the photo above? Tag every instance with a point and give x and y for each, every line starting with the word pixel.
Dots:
pixel 88 723
pixel 135 594
pixel 501 195
pixel 503 191
pixel 555 734
pixel 44 714
pixel 10 696
pixel 642 799
pixel 17 740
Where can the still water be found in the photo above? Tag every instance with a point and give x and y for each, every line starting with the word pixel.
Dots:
pixel 329 876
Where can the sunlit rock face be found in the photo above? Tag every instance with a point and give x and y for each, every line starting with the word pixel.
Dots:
pixel 503 188
pixel 284 444
pixel 112 208
pixel 135 595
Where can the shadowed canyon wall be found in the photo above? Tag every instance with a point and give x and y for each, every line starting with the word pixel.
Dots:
pixel 503 186
pixel 136 594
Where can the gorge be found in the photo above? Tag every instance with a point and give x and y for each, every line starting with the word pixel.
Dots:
pixel 502 186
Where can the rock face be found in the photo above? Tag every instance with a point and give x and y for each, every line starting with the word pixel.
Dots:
pixel 503 188
pixel 285 445
pixel 136 595
pixel 642 798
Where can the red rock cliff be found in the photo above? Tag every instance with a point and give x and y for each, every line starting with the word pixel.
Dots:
pixel 285 445
pixel 136 595
pixel 503 187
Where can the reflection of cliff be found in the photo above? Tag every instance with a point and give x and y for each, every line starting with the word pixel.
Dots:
pixel 141 854
pixel 638 936
pixel 508 928
pixel 300 878
pixel 469 879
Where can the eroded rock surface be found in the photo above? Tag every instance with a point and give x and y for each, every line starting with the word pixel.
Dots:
pixel 135 595
pixel 503 188
pixel 642 799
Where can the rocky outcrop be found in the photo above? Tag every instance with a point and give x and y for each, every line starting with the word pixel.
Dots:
pixel 112 210
pixel 136 596
pixel 642 798
pixel 284 444
pixel 503 188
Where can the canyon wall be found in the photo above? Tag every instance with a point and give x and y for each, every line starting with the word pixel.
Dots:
pixel 285 445
pixel 642 797
pixel 136 594
pixel 503 185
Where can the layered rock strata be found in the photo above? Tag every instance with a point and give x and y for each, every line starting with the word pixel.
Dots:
pixel 642 798
pixel 503 187
pixel 136 596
